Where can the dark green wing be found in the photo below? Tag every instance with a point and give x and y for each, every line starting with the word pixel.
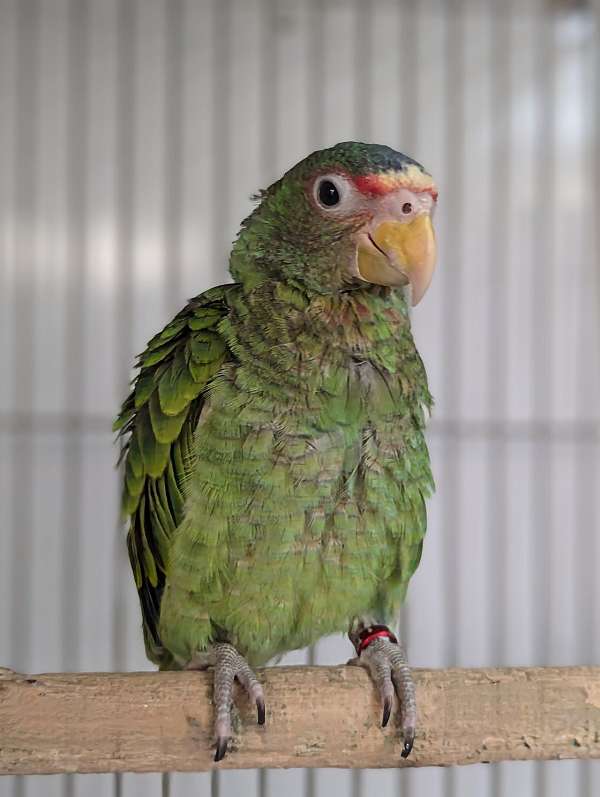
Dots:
pixel 157 422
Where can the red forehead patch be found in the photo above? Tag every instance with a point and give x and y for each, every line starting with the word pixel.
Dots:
pixel 381 183
pixel 373 184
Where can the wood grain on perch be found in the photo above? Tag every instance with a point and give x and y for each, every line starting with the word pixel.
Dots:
pixel 316 717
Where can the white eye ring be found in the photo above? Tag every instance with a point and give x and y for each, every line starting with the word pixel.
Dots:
pixel 330 191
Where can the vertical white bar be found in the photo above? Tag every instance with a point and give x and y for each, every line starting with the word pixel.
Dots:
pixel 125 613
pixel 515 641
pixel 29 542
pixel 200 271
pixel 106 364
pixel 250 112
pixel 573 352
pixel 542 463
pixel 500 186
pixel 150 278
pixel 337 73
pixel 269 82
pixel 174 119
pixel 501 178
pixel 588 385
pixel 50 272
pixel 103 550
pixel 8 134
pixel 73 531
pixel 8 40
pixel 590 596
pixel 362 72
pixel 49 287
pixel 92 221
pixel 385 82
pixel 291 117
pixel 26 92
pixel 314 59
pixel 221 185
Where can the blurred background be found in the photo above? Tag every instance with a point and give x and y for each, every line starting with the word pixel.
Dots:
pixel 132 134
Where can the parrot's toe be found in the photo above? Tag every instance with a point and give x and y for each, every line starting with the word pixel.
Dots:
pixel 260 710
pixel 221 747
pixel 387 710
pixel 229 665
pixel 381 654
pixel 409 740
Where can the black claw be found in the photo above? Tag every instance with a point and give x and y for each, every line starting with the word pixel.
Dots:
pixel 260 710
pixel 222 748
pixel 387 710
pixel 408 745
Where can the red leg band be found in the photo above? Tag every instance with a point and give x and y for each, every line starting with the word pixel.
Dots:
pixel 374 632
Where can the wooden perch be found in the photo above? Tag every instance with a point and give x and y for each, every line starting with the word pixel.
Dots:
pixel 316 717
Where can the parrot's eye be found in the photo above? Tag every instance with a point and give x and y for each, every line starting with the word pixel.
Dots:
pixel 407 208
pixel 330 191
pixel 328 194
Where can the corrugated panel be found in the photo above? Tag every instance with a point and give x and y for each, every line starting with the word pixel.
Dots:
pixel 132 135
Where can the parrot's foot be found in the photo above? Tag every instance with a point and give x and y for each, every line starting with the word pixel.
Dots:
pixel 229 665
pixel 382 655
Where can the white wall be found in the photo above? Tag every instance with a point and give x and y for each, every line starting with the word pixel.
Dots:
pixel 132 133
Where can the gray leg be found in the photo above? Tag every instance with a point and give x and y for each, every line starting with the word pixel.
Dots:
pixel 228 665
pixel 384 658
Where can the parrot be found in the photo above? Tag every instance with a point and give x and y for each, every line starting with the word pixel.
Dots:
pixel 276 470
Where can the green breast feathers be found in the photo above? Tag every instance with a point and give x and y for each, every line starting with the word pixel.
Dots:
pixel 276 470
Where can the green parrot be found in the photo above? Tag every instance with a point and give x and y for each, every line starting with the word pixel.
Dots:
pixel 276 469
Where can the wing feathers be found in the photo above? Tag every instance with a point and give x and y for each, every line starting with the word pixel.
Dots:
pixel 158 420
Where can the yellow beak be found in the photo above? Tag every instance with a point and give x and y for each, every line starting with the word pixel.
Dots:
pixel 398 253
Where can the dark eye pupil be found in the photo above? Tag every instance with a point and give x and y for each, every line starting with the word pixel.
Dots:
pixel 407 207
pixel 328 194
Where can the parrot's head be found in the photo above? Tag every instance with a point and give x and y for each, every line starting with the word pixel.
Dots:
pixel 346 217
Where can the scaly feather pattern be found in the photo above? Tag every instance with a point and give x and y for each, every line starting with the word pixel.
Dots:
pixel 305 506
pixel 157 421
